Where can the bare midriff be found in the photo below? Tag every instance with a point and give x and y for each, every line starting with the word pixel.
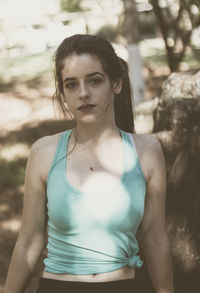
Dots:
pixel 121 274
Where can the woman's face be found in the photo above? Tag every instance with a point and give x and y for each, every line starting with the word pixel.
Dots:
pixel 87 89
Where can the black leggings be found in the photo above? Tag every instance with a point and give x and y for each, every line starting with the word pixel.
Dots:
pixel 57 286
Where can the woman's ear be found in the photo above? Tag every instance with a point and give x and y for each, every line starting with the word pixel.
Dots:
pixel 117 86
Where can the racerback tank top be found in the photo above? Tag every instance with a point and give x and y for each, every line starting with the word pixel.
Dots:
pixel 90 233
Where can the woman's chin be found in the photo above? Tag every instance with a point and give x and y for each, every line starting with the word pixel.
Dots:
pixel 87 120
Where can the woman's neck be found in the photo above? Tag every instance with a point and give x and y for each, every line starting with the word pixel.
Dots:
pixel 93 134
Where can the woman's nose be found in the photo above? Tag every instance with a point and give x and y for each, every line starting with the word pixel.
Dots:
pixel 83 91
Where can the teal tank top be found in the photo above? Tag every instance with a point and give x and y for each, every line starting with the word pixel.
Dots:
pixel 90 233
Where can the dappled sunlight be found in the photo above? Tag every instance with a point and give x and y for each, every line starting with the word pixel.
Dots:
pixel 105 178
pixel 99 205
pixel 16 112
pixel 12 111
pixel 4 208
pixel 1 288
pixel 144 123
pixel 124 151
pixel 151 47
pixel 101 180
pixel 106 175
pixel 185 250
pixel 11 152
pixel 12 225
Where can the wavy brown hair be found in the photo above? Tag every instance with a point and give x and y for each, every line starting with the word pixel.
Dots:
pixel 114 66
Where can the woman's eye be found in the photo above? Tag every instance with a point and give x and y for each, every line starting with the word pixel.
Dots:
pixel 95 81
pixel 70 85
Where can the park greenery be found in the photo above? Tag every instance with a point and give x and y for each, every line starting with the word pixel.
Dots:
pixel 176 21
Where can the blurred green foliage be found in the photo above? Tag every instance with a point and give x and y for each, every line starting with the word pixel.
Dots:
pixel 177 21
pixel 159 58
pixel 38 67
pixel 12 172
pixel 28 66
pixel 108 32
pixel 70 5
pixel 147 24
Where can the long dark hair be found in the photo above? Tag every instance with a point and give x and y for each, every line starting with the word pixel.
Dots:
pixel 114 66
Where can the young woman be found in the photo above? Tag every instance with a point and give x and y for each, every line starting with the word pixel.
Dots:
pixel 92 185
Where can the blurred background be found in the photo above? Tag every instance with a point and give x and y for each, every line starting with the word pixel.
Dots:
pixel 160 39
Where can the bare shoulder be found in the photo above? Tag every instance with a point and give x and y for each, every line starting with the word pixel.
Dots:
pixel 145 142
pixel 149 152
pixel 45 143
pixel 42 153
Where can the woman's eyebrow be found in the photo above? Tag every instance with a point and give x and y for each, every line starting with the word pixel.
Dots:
pixel 88 75
pixel 69 78
pixel 94 73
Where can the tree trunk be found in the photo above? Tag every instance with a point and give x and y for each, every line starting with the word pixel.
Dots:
pixel 177 127
pixel 175 26
pixel 172 62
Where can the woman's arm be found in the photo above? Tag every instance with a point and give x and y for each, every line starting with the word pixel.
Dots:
pixel 155 241
pixel 31 239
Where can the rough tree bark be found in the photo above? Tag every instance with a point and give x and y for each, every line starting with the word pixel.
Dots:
pixel 177 126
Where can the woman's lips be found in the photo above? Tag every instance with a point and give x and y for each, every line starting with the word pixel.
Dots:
pixel 87 107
